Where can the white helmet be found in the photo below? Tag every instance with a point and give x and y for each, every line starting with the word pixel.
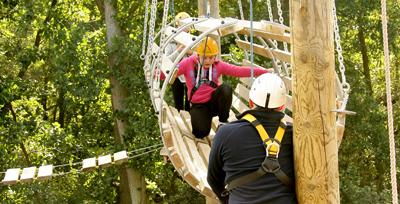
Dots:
pixel 268 91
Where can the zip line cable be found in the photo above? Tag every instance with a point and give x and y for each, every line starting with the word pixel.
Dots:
pixel 389 104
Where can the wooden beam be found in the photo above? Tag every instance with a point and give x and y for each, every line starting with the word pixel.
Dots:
pixel 264 51
pixel 285 37
pixel 315 143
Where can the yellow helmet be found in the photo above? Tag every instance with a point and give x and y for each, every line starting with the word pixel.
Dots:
pixel 207 47
pixel 181 16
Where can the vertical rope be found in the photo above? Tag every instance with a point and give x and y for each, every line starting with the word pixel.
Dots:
pixel 172 8
pixel 389 105
pixel 146 9
pixel 251 42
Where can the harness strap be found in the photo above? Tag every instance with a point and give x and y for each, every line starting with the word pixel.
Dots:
pixel 270 164
pixel 199 82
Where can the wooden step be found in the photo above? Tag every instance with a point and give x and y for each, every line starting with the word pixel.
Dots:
pixel 264 51
pixel 28 174
pixel 11 177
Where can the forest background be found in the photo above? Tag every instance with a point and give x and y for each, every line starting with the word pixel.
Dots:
pixel 59 60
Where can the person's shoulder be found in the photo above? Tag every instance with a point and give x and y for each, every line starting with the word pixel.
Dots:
pixel 233 127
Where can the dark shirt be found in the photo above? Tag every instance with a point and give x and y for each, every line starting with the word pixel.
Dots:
pixel 237 150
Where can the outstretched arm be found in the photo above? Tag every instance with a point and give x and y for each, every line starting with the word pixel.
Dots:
pixel 240 71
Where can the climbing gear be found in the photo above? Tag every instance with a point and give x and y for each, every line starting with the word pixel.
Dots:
pixel 198 73
pixel 268 91
pixel 181 16
pixel 207 47
pixel 270 164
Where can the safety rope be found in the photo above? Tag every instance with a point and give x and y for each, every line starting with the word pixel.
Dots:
pixel 142 56
pixel 251 43
pixel 389 105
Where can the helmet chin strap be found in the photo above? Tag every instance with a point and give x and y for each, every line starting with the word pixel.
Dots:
pixel 267 100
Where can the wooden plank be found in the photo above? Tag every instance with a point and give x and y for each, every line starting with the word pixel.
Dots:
pixel 289 102
pixel 105 160
pixel 182 38
pixel 185 115
pixel 213 22
pixel 166 65
pixel 45 172
pixel 282 37
pixel 204 150
pixel 238 105
pixel 120 157
pixel 187 171
pixel 195 158
pixel 28 174
pixel 247 81
pixel 242 91
pixel 89 164
pixel 11 177
pixel 264 51
pixel 154 49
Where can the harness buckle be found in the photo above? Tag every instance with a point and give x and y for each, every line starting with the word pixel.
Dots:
pixel 226 192
pixel 271 165
pixel 272 148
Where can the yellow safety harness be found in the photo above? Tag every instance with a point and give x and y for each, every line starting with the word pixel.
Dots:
pixel 270 164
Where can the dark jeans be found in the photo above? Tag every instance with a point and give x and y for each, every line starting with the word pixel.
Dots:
pixel 179 92
pixel 202 113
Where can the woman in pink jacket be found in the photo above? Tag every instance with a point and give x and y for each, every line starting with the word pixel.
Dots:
pixel 207 96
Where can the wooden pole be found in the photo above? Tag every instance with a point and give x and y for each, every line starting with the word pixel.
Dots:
pixel 315 143
pixel 214 12
pixel 202 7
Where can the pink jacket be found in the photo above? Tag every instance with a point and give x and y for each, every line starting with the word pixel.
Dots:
pixel 204 92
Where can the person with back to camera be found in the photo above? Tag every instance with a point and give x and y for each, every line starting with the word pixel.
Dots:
pixel 251 159
pixel 207 96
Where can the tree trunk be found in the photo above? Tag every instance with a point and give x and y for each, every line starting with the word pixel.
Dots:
pixel 132 188
pixel 365 59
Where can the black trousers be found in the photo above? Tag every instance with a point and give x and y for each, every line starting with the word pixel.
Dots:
pixel 179 92
pixel 202 113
